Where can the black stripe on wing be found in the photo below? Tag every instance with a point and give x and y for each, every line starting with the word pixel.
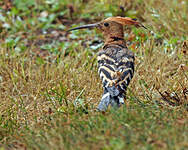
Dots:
pixel 105 59
pixel 128 64
pixel 123 86
pixel 110 67
pixel 106 73
pixel 127 71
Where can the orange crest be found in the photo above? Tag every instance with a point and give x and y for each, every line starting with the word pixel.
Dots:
pixel 125 21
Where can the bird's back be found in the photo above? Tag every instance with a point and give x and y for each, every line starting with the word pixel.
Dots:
pixel 116 69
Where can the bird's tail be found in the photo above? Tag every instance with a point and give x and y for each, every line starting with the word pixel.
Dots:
pixel 105 101
pixel 111 96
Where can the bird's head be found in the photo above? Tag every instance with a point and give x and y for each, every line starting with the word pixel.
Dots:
pixel 112 26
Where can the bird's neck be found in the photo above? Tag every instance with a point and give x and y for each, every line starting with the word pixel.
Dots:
pixel 115 39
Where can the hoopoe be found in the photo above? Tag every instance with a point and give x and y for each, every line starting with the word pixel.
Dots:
pixel 115 60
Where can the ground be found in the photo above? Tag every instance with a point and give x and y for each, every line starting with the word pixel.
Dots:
pixel 49 86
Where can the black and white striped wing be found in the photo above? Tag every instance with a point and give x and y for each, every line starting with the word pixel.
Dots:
pixel 126 71
pixel 116 70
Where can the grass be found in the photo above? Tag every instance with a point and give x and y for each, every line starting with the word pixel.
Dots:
pixel 49 86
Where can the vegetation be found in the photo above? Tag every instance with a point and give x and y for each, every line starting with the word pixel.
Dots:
pixel 49 86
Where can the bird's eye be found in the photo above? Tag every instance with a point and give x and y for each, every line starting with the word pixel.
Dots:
pixel 106 24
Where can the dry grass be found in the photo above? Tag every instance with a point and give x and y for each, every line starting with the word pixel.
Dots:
pixel 49 87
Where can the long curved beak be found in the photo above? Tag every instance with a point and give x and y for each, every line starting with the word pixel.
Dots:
pixel 85 26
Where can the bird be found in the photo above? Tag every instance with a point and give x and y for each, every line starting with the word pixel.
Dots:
pixel 115 60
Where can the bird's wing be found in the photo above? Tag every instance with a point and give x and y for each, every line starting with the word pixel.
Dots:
pixel 116 69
